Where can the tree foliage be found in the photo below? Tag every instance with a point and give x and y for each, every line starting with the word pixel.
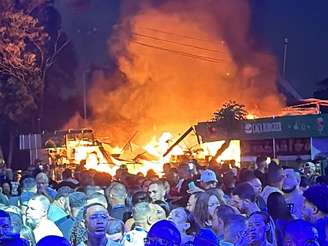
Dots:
pixel 230 111
pixel 22 46
pixel 16 103
pixel 228 118
pixel 27 51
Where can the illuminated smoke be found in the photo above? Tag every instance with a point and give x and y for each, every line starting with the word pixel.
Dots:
pixel 178 62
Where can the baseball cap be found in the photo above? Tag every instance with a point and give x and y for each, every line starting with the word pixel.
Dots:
pixel 208 176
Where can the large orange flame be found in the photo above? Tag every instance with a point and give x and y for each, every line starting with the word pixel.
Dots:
pixel 178 62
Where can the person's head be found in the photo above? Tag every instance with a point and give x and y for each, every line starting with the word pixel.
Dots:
pixel 23 200
pixel 166 168
pixel 53 240
pixel 184 221
pixel 116 194
pixel 85 178
pixel 229 181
pixel 6 188
pixel 42 182
pixel 6 228
pixel 163 233
pixel 291 182
pixel 221 214
pixel 151 174
pixel 9 174
pixel 37 209
pixel 256 184
pixel 77 200
pixel 300 233
pixel 91 189
pixel 316 202
pixel 115 230
pixel 141 213
pixel 157 191
pixel 164 205
pixel 96 219
pixel 305 183
pixel 206 237
pixel 213 203
pixel 67 174
pixel 243 194
pixel 259 226
pixel 261 162
pixel 208 179
pixel 184 171
pixel 173 176
pixel 277 206
pixel 201 212
pixel 192 202
pixel 276 176
pixel 102 179
pixel 61 198
pixel 156 213
pixel 145 184
pixel 97 198
pixel 309 169
pixel 29 185
pixel 140 196
pixel 234 227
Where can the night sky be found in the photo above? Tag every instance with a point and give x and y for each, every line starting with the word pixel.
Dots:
pixel 303 22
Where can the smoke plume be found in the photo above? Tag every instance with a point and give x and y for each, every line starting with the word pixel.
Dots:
pixel 177 63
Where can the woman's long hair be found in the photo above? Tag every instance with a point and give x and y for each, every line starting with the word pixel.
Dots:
pixel 200 212
pixel 194 226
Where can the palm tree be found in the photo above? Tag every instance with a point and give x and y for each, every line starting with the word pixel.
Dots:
pixel 228 118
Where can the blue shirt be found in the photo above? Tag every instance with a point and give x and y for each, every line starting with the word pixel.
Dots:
pixel 321 225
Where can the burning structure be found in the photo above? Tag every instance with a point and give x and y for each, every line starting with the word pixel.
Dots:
pixel 176 63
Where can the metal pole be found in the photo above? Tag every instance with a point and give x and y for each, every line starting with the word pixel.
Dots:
pixel 274 147
pixel 39 125
pixel 85 98
pixel 178 141
pixel 285 58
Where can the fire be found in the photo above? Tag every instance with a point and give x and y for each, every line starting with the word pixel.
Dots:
pixel 158 148
pixel 93 156
pixel 251 116
pixel 231 153
pixel 152 156
pixel 169 77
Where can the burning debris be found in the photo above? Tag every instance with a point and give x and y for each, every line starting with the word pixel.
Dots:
pixel 176 63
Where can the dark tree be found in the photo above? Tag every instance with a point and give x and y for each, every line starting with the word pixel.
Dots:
pixel 228 118
pixel 28 48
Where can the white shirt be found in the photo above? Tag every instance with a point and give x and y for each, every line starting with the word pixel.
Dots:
pixel 46 228
pixel 136 237
pixel 268 190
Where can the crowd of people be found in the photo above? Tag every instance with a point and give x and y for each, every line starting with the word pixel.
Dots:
pixel 264 204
